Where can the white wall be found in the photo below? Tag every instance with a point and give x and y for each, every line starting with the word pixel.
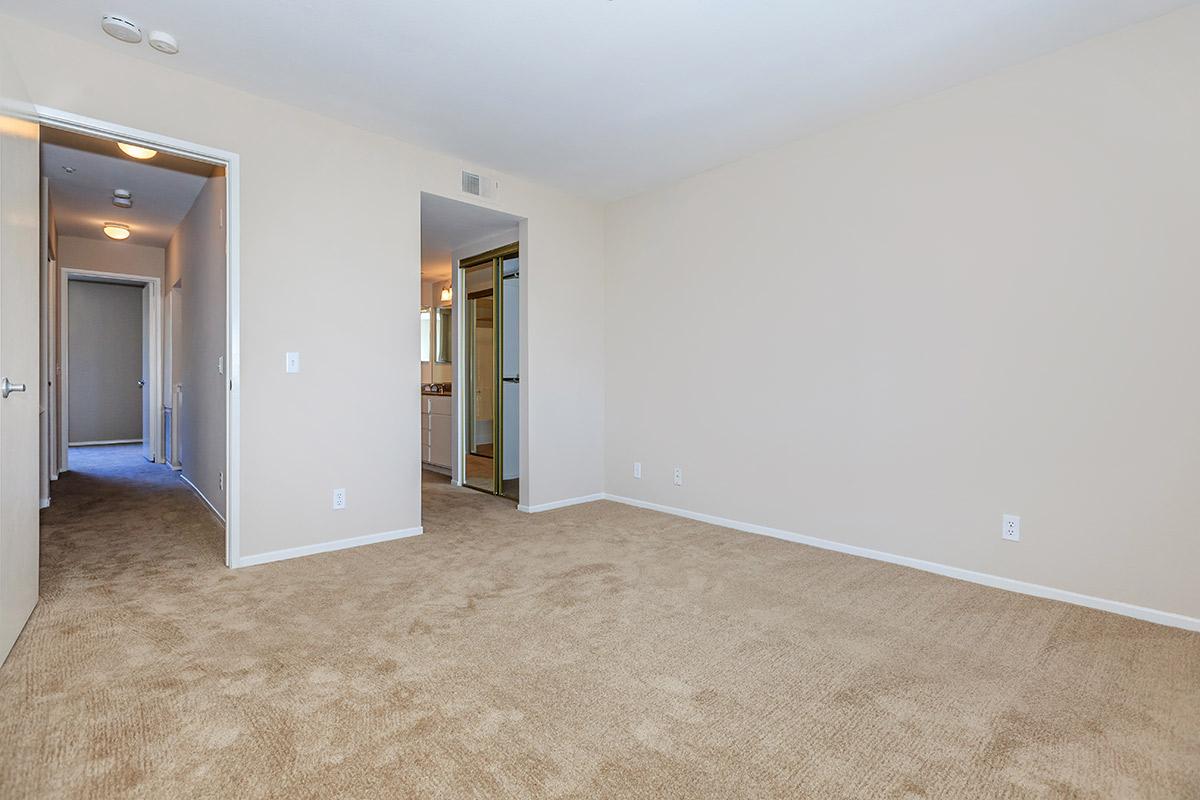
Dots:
pixel 331 291
pixel 107 255
pixel 104 343
pixel 891 334
pixel 196 260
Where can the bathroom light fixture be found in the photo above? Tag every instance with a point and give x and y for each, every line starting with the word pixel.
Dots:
pixel 137 151
pixel 446 294
pixel 115 230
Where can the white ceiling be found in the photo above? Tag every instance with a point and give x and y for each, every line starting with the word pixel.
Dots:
pixel 447 225
pixel 82 200
pixel 601 97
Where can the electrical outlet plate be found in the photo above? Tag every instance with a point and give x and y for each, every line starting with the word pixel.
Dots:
pixel 637 469
pixel 678 476
pixel 1010 528
pixel 339 499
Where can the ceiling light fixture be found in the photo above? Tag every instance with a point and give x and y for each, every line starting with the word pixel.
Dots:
pixel 137 151
pixel 446 294
pixel 122 29
pixel 122 193
pixel 163 42
pixel 69 170
pixel 122 202
pixel 115 230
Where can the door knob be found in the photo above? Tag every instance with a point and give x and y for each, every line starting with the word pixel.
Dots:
pixel 8 387
pixel 141 383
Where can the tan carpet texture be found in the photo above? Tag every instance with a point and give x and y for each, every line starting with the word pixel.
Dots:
pixel 598 651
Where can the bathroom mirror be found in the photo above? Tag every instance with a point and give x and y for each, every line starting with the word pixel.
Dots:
pixel 442 335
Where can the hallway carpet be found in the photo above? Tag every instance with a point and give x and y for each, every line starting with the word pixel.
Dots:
pixel 598 651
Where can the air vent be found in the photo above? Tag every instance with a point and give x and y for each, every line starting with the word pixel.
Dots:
pixel 470 183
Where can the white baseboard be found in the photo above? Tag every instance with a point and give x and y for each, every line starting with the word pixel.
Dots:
pixel 44 502
pixel 995 581
pixel 99 442
pixel 326 547
pixel 570 501
pixel 199 493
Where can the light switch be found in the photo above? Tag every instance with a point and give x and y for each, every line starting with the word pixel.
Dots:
pixel 293 362
pixel 220 365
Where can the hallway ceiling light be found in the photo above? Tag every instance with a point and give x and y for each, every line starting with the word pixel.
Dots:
pixel 120 28
pixel 123 202
pixel 446 294
pixel 137 151
pixel 122 193
pixel 115 230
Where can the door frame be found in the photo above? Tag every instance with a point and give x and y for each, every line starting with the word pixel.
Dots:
pixel 155 344
pixel 65 120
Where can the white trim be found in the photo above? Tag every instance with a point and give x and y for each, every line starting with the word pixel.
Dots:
pixel 995 581
pixel 153 332
pixel 200 494
pixel 327 547
pixel 106 441
pixel 66 120
pixel 44 502
pixel 570 501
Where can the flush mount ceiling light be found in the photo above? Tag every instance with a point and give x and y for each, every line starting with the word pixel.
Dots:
pixel 120 28
pixel 446 294
pixel 136 151
pixel 122 193
pixel 163 42
pixel 115 230
pixel 69 170
pixel 123 202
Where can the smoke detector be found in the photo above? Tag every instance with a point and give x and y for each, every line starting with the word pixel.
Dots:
pixel 121 28
pixel 163 42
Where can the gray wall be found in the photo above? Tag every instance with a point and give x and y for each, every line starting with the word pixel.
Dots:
pixel 105 361
pixel 196 260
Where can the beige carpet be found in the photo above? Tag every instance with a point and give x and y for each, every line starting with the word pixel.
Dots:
pixel 593 652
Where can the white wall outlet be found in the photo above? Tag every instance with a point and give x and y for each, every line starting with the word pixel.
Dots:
pixel 291 362
pixel 220 365
pixel 1011 528
pixel 637 469
pixel 678 476
pixel 339 499
pixel 220 481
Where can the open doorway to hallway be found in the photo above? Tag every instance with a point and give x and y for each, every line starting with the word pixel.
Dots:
pixel 471 393
pixel 134 315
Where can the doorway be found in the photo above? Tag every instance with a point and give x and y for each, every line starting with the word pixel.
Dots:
pixel 470 344
pixel 110 362
pixel 142 209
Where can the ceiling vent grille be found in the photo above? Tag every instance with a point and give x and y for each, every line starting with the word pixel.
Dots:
pixel 471 184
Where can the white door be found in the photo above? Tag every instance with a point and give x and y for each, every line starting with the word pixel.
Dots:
pixel 19 369
pixel 148 432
